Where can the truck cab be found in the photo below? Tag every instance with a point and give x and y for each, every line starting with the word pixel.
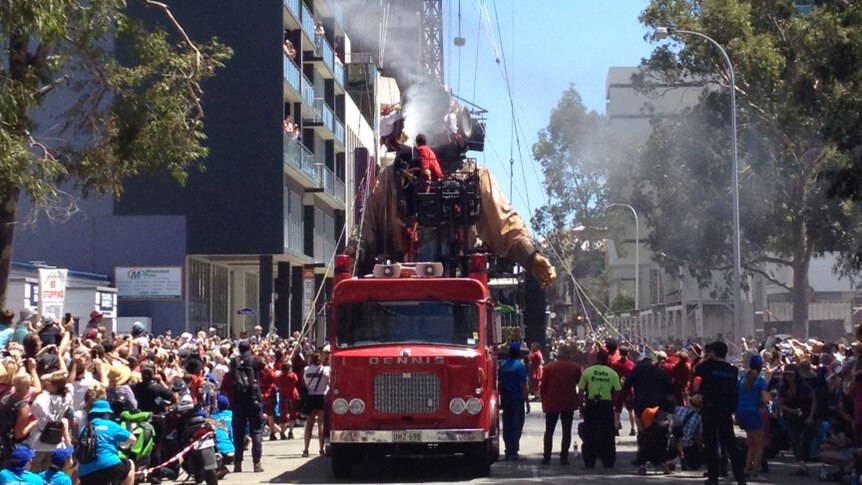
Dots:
pixel 414 367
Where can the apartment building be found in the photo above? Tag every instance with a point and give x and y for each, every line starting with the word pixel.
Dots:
pixel 254 232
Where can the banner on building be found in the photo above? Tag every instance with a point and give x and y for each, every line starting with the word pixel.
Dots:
pixel 52 291
pixel 307 292
pixel 149 282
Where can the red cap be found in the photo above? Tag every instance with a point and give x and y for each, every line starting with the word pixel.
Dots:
pixel 94 315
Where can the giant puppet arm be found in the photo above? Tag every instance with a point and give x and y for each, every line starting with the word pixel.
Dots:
pixel 506 234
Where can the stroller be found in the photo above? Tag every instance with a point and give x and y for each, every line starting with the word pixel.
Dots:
pixel 657 442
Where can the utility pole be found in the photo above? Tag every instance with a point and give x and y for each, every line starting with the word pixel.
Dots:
pixel 432 40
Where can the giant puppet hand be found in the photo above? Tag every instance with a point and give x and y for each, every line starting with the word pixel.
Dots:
pixel 543 271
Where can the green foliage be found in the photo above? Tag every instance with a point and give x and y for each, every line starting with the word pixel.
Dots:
pixel 127 118
pixel 799 101
pixel 622 303
pixel 572 155
pixel 575 159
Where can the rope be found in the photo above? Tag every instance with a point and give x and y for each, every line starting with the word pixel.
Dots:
pixel 144 473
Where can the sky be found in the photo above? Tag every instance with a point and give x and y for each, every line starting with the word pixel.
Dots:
pixel 547 45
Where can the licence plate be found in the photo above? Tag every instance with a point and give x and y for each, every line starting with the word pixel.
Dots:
pixel 207 443
pixel 407 436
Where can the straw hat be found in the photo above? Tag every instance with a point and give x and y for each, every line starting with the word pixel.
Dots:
pixel 118 375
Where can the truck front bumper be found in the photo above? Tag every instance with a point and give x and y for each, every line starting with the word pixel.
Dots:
pixel 411 436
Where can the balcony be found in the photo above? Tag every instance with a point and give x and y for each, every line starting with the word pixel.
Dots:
pixel 292 6
pixel 333 186
pixel 307 22
pixel 325 113
pixel 339 132
pixel 302 160
pixel 339 190
pixel 325 51
pixel 292 75
pixel 307 91
pixel 338 73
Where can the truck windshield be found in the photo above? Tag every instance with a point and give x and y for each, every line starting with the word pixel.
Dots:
pixel 414 322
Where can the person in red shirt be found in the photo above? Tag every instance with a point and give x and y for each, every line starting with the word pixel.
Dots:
pixel 680 375
pixel 428 170
pixel 624 367
pixel 429 167
pixel 536 362
pixel 289 394
pixel 559 391
pixel 267 390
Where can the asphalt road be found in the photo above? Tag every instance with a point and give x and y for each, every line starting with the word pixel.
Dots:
pixel 283 463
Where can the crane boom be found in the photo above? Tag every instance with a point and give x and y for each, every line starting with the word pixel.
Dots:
pixel 432 40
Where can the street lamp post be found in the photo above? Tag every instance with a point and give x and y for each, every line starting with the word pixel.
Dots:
pixel 663 33
pixel 637 250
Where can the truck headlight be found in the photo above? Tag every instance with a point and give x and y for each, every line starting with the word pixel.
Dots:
pixel 356 406
pixel 474 406
pixel 339 406
pixel 457 406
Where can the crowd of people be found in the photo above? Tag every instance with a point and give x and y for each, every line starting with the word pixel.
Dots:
pixel 57 389
pixel 726 406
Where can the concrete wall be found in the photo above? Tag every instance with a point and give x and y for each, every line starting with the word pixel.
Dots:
pixel 97 242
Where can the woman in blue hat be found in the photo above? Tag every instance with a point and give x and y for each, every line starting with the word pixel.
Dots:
pixel 61 460
pixel 108 467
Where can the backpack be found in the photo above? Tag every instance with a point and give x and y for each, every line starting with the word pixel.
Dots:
pixel 85 450
pixel 8 415
pixel 243 377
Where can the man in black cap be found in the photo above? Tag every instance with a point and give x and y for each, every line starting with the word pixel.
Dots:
pixel 718 388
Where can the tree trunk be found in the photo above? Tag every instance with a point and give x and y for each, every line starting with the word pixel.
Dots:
pixel 8 211
pixel 800 294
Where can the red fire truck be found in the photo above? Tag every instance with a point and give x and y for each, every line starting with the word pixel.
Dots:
pixel 414 365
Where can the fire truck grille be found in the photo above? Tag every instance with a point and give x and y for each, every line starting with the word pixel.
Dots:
pixel 413 393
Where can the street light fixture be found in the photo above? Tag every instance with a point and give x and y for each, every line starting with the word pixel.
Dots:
pixel 664 33
pixel 637 250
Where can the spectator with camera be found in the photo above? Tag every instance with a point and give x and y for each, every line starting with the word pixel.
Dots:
pixel 51 411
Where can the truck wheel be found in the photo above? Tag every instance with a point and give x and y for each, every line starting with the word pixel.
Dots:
pixel 342 461
pixel 479 460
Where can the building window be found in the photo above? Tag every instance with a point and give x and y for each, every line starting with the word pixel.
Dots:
pixel 319 235
pixel 656 291
pixel 329 237
pixel 293 229
pixel 199 293
pixel 208 296
pixel 220 297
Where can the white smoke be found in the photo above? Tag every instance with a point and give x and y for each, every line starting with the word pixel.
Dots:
pixel 424 109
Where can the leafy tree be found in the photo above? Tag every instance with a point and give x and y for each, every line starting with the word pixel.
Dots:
pixel 799 93
pixel 115 99
pixel 622 303
pixel 574 158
